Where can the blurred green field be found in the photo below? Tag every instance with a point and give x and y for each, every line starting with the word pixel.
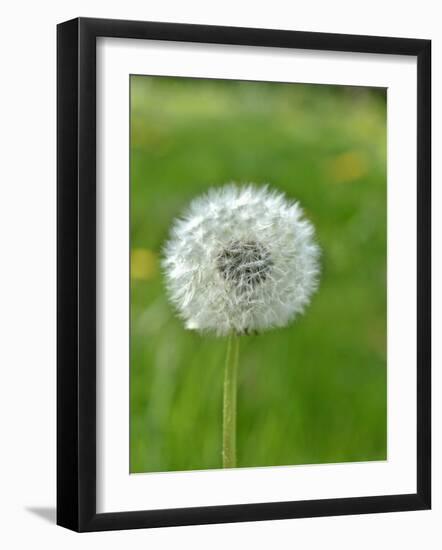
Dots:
pixel 314 392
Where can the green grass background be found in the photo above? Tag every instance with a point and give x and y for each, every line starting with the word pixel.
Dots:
pixel 314 392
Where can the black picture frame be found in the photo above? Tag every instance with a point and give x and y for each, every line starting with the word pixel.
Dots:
pixel 76 274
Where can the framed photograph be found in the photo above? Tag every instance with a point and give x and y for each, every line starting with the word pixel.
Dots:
pixel 243 274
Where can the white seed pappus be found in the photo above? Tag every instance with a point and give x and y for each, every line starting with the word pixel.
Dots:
pixel 242 259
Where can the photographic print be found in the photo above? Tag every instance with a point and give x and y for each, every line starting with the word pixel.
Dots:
pixel 258 274
pixel 225 255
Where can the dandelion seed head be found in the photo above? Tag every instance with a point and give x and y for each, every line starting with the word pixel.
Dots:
pixel 241 259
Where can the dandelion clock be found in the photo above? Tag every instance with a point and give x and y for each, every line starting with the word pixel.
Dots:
pixel 240 260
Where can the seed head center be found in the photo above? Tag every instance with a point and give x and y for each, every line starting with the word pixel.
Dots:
pixel 245 264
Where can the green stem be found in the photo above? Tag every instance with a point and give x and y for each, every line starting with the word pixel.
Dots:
pixel 229 405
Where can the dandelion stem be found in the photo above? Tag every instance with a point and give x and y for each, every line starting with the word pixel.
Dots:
pixel 229 405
